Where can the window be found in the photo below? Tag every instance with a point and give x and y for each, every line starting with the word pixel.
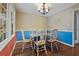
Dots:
pixel 7 23
pixel 11 23
pixel 3 13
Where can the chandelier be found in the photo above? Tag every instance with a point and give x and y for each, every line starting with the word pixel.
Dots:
pixel 43 8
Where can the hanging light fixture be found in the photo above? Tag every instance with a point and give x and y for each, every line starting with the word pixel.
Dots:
pixel 43 8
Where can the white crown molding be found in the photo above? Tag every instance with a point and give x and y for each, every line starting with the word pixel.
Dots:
pixel 62 9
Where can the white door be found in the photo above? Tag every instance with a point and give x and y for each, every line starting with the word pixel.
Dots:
pixel 77 27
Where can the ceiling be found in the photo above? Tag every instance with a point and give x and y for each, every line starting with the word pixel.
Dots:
pixel 32 8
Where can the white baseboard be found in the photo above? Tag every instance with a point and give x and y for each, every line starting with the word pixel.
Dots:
pixel 13 49
pixel 57 41
pixel 18 41
pixel 65 43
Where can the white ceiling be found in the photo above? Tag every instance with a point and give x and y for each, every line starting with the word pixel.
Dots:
pixel 31 8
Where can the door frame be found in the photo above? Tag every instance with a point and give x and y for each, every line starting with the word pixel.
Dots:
pixel 73 25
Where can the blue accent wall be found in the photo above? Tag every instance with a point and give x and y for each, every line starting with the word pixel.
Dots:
pixel 27 34
pixel 65 37
pixel 18 35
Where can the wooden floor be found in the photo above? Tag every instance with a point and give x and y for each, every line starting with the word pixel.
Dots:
pixel 63 51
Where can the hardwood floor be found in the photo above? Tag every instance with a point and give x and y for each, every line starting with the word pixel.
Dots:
pixel 63 51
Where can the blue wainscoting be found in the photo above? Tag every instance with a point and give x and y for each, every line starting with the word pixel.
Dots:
pixel 27 34
pixel 19 35
pixel 65 37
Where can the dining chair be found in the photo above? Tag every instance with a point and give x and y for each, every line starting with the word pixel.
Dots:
pixel 24 41
pixel 40 42
pixel 52 41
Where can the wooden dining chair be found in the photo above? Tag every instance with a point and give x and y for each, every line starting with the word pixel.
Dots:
pixel 40 43
pixel 52 41
pixel 24 41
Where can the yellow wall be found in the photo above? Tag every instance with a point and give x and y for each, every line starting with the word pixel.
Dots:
pixel 63 20
pixel 27 21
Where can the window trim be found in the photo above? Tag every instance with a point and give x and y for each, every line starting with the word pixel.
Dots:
pixel 10 36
